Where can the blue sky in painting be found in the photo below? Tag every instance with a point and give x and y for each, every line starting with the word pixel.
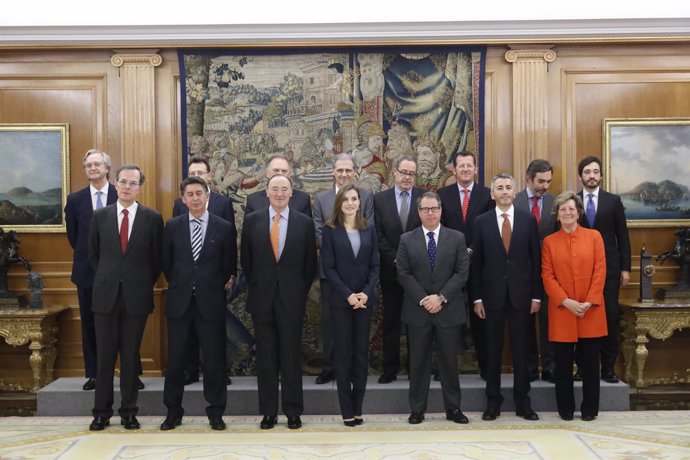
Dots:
pixel 30 159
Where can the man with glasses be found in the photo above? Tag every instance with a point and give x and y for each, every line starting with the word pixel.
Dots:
pixel 125 252
pixel 78 213
pixel 433 265
pixel 394 215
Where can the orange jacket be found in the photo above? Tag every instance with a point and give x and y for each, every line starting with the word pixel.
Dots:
pixel 573 265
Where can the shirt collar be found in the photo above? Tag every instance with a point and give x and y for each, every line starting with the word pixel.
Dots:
pixel 510 211
pixel 284 213
pixel 132 209
pixel 469 187
pixel 203 218
pixel 94 190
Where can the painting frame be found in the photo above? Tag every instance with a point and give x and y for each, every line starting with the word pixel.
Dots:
pixel 38 153
pixel 631 156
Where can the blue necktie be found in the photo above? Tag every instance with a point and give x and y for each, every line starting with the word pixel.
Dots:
pixel 99 201
pixel 590 211
pixel 431 249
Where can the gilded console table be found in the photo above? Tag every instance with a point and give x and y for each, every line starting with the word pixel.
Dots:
pixel 38 329
pixel 641 320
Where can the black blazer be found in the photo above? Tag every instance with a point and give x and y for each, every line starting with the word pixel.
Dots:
pixel 547 221
pixel 207 276
pixel 137 269
pixel 218 204
pixel 292 276
pixel 78 215
pixel 299 201
pixel 610 222
pixel 346 273
pixel 389 230
pixel 497 275
pixel 480 202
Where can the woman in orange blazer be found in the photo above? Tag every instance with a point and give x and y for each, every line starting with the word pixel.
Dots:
pixel 574 271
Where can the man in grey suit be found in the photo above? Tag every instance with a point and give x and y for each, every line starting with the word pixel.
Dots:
pixel 433 265
pixel 343 174
pixel 125 253
pixel 537 200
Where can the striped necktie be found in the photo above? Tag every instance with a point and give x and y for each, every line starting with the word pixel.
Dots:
pixel 196 239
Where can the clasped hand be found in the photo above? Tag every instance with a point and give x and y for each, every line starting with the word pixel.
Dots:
pixel 577 308
pixel 432 303
pixel 358 300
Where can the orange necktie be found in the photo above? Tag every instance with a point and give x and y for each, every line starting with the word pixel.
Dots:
pixel 506 231
pixel 275 236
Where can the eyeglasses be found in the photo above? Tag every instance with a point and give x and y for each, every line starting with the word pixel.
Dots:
pixel 94 164
pixel 198 173
pixel 131 183
pixel 433 209
pixel 406 173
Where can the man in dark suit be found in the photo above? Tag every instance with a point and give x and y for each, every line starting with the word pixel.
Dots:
pixel 394 214
pixel 506 285
pixel 604 212
pixel 78 213
pixel 537 200
pixel 124 250
pixel 462 203
pixel 278 257
pixel 199 257
pixel 343 174
pixel 299 201
pixel 221 206
pixel 433 305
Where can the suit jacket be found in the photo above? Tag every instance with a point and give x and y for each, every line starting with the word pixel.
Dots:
pixel 291 276
pixel 480 202
pixel 389 229
pixel 207 276
pixel 346 273
pixel 497 275
pixel 78 215
pixel 447 278
pixel 563 255
pixel 137 269
pixel 323 210
pixel 610 222
pixel 547 222
pixel 218 204
pixel 299 201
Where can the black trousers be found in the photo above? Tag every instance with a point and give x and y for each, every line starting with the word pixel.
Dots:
pixel 118 333
pixel 211 334
pixel 609 343
pixel 588 361
pixel 88 330
pixel 278 337
pixel 326 327
pixel 392 294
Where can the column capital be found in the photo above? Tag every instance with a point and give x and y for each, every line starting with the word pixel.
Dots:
pixel 123 57
pixel 532 53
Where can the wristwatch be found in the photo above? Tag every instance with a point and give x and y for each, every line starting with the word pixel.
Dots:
pixel 443 298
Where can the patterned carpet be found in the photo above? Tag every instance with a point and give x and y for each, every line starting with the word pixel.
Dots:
pixel 614 435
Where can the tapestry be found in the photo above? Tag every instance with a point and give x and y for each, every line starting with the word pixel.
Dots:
pixel 241 107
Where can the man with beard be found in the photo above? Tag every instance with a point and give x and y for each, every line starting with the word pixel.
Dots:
pixel 430 162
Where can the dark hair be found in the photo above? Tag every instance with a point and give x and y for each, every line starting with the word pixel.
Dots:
pixel 131 167
pixel 565 196
pixel 464 153
pixel 587 160
pixel 433 195
pixel 400 159
pixel 193 180
pixel 538 166
pixel 199 159
pixel 337 219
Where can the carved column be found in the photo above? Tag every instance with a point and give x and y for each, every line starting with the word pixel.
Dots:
pixel 137 79
pixel 530 130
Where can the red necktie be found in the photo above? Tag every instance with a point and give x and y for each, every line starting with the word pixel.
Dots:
pixel 535 209
pixel 506 232
pixel 124 230
pixel 465 203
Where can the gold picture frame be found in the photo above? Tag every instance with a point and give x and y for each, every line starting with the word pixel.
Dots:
pixel 33 192
pixel 645 162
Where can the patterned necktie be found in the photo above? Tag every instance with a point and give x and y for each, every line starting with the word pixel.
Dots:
pixel 404 210
pixel 124 230
pixel 506 232
pixel 275 236
pixel 590 211
pixel 431 249
pixel 465 203
pixel 535 209
pixel 197 242
pixel 99 201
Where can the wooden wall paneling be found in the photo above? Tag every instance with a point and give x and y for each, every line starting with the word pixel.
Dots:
pixel 498 146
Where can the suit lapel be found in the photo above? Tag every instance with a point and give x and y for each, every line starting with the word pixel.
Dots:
pixel 341 234
pixel 137 226
pixel 393 209
pixel 420 245
pixel 210 235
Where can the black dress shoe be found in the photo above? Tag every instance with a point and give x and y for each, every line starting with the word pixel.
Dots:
pixel 527 414
pixel 140 384
pixel 325 377
pixel 588 418
pixel 170 422
pixel 90 384
pixel 491 414
pixel 130 422
pixel 268 422
pixel 387 378
pixel 190 378
pixel 216 423
pixel 566 417
pixel 547 376
pixel 228 380
pixel 437 377
pixel 351 423
pixel 359 420
pixel 415 418
pixel 533 376
pixel 457 416
pixel 294 422
pixel 577 376
pixel 608 376
pixel 99 423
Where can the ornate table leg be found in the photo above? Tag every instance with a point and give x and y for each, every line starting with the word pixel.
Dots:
pixel 37 358
pixel 641 355
pixel 628 345
pixel 50 352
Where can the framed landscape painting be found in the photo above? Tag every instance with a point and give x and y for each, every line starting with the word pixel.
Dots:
pixel 647 163
pixel 35 183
